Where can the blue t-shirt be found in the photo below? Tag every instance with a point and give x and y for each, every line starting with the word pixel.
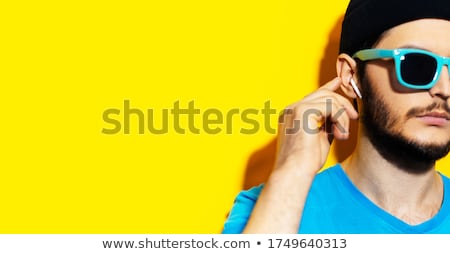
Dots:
pixel 334 205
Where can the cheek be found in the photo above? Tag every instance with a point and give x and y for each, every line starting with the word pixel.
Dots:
pixel 383 73
pixel 401 104
pixel 412 127
pixel 396 110
pixel 397 99
pixel 395 84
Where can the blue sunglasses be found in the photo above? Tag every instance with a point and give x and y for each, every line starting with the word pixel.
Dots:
pixel 415 68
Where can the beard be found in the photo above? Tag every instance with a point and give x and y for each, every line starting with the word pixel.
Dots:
pixel 380 124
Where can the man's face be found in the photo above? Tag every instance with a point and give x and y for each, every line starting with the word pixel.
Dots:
pixel 408 125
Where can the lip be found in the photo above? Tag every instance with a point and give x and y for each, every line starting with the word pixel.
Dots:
pixel 435 118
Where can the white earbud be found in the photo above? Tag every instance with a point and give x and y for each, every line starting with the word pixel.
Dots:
pixel 353 83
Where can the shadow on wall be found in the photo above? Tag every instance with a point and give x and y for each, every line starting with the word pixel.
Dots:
pixel 261 162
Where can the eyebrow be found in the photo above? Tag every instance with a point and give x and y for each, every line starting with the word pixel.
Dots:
pixel 412 46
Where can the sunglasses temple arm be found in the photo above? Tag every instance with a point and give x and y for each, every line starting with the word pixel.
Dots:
pixel 370 54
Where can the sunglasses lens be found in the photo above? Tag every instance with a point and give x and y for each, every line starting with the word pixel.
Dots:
pixel 418 69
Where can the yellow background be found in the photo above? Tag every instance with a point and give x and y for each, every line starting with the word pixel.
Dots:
pixel 63 63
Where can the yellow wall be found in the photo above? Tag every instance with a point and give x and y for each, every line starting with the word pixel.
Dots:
pixel 64 63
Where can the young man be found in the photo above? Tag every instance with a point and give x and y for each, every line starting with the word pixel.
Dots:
pixel 394 61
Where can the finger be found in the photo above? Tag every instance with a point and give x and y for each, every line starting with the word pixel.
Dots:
pixel 317 114
pixel 331 97
pixel 332 85
pixel 341 122
pixel 328 128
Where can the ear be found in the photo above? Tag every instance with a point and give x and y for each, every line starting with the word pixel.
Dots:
pixel 346 69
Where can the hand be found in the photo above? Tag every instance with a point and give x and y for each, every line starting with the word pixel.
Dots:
pixel 307 128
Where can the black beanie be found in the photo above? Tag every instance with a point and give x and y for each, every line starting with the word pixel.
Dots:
pixel 366 20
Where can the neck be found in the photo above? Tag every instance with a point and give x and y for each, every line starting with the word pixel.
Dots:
pixel 411 197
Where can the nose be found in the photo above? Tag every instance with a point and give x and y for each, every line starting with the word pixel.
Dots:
pixel 442 87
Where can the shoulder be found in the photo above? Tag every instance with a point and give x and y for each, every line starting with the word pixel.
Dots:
pixel 241 210
pixel 325 177
pixel 246 200
pixel 444 177
pixel 327 184
pixel 251 193
pixel 328 176
pixel 446 181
